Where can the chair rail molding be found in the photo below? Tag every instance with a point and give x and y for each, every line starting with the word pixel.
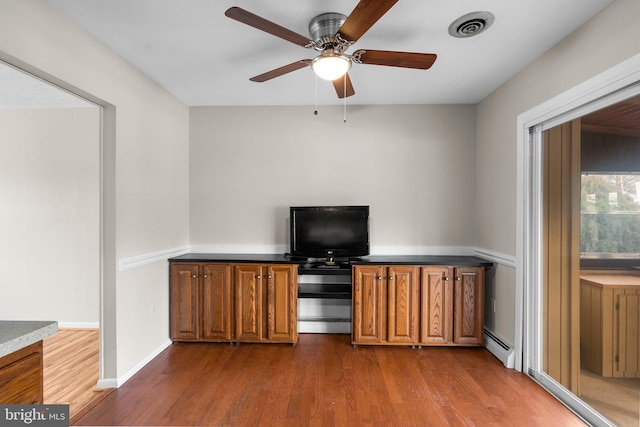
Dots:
pixel 150 258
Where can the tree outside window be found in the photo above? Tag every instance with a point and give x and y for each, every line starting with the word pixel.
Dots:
pixel 610 215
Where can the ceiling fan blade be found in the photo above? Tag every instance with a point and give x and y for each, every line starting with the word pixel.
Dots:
pixel 338 84
pixel 267 26
pixel 280 71
pixel 366 13
pixel 422 61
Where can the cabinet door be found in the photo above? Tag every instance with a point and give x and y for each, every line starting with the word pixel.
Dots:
pixel 216 302
pixel 249 315
pixel 402 304
pixel 469 306
pixel 369 304
pixel 626 332
pixel 282 303
pixel 21 376
pixel 436 305
pixel 184 303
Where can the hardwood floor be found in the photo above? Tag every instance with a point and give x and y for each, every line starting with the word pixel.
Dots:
pixel 325 381
pixel 72 368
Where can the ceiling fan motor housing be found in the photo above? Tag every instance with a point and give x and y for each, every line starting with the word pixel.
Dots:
pixel 323 29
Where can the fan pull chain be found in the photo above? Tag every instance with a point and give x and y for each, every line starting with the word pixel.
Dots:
pixel 344 79
pixel 315 112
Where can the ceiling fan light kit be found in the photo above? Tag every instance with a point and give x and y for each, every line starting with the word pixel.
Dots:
pixel 331 65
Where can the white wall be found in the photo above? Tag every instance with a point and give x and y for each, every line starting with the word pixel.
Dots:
pixel 145 160
pixel 608 39
pixel 414 166
pixel 49 215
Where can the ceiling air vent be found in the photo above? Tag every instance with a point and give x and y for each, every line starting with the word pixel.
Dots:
pixel 471 24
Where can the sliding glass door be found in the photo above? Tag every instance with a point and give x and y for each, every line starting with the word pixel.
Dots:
pixel 563 221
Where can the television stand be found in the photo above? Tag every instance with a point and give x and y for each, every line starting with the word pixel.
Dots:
pixel 324 298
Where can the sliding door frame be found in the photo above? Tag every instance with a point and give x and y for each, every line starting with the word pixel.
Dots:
pixel 613 85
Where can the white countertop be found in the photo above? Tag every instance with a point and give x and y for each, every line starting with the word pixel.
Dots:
pixel 17 334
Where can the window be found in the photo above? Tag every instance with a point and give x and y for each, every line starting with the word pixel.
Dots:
pixel 610 216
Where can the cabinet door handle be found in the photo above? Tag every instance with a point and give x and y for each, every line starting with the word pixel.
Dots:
pixel 195 276
pixel 258 277
pixel 446 278
pixel 458 278
pixel 269 277
pixel 205 276
pixel 379 277
pixel 390 277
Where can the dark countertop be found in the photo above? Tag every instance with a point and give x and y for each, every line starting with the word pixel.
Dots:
pixel 304 263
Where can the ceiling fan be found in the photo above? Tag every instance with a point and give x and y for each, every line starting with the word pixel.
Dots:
pixel 332 34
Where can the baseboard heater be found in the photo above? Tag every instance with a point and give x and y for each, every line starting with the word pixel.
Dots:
pixel 499 348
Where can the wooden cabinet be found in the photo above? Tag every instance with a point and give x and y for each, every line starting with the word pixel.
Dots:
pixel 185 302
pixel 216 302
pixel 201 302
pixel 610 324
pixel 266 303
pixel 468 306
pixel 21 376
pixel 413 305
pixel 385 304
pixel 436 305
pixel 233 302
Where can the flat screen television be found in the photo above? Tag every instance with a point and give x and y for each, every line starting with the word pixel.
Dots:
pixel 329 231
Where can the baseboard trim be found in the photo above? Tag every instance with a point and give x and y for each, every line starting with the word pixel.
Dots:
pixel 499 348
pixel 117 382
pixel 78 325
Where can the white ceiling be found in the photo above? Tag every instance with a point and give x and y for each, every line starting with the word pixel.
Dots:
pixel 204 58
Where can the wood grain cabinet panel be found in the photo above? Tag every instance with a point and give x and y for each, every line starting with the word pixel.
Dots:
pixel 436 303
pixel 368 305
pixel 249 303
pixel 468 314
pixel 216 302
pixel 282 303
pixel 414 305
pixel 21 376
pixel 184 302
pixel 402 305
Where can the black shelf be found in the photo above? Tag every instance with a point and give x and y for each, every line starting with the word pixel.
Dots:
pixel 323 269
pixel 320 290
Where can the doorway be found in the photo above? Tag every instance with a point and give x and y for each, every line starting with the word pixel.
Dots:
pixel 563 320
pixel 50 187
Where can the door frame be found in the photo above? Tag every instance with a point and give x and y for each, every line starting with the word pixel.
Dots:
pixel 609 87
pixel 107 214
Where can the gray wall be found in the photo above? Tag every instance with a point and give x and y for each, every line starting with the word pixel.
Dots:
pixel 413 165
pixel 605 41
pixel 145 162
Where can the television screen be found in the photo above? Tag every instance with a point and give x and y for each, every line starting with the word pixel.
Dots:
pixel 329 231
